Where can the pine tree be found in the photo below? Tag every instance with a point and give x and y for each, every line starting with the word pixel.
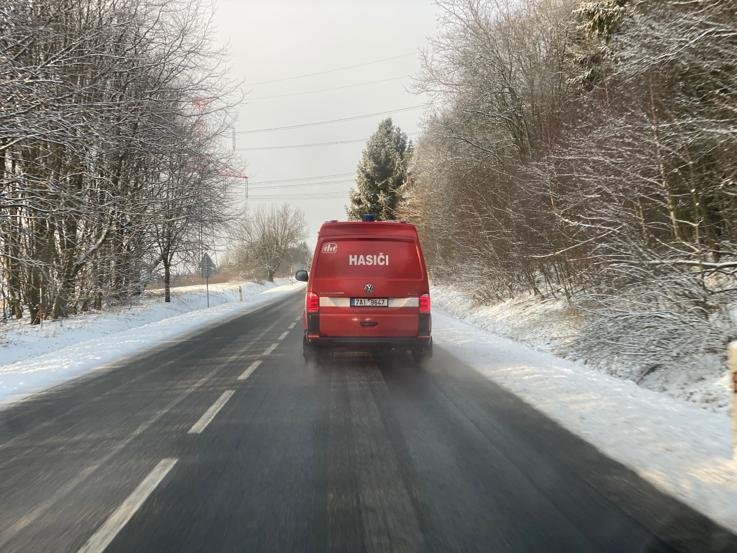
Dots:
pixel 381 173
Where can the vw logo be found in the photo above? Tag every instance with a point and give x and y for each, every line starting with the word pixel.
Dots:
pixel 369 288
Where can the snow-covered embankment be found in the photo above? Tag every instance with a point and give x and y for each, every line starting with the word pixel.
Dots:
pixel 683 449
pixel 35 358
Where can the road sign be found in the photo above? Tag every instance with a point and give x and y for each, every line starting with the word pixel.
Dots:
pixel 207 269
pixel 207 266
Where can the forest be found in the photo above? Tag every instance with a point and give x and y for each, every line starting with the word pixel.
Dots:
pixel 587 151
pixel 111 168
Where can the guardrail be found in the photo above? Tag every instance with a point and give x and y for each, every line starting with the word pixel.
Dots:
pixel 732 356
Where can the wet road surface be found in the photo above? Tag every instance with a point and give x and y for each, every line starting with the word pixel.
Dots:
pixel 229 441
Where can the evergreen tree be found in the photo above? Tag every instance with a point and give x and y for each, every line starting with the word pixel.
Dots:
pixel 381 173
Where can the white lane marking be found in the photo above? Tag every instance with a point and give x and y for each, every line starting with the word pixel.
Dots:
pixel 120 517
pixel 205 419
pixel 282 335
pixel 41 508
pixel 291 326
pixel 51 500
pixel 271 348
pixel 299 317
pixel 249 371
pixel 102 397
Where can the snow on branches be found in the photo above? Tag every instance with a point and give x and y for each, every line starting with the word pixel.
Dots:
pixel 105 168
pixel 588 150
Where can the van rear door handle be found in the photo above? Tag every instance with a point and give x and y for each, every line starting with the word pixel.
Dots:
pixel 369 323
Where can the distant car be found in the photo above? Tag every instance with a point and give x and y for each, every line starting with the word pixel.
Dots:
pixel 367 288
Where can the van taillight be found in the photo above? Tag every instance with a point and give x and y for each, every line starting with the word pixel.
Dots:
pixel 425 303
pixel 312 302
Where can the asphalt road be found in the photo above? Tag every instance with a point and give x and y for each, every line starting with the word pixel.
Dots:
pixel 198 447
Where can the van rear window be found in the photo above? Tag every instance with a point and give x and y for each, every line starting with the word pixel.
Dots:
pixel 364 258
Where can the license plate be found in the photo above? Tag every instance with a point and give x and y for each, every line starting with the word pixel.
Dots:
pixel 369 302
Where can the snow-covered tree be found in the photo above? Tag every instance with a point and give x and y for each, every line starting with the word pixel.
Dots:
pixel 95 122
pixel 587 149
pixel 260 242
pixel 381 173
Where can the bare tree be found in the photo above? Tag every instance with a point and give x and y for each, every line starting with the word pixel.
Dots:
pixel 96 132
pixel 261 241
pixel 588 150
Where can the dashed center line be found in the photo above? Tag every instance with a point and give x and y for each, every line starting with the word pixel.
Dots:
pixel 271 348
pixel 120 517
pixel 205 419
pixel 249 371
pixel 112 526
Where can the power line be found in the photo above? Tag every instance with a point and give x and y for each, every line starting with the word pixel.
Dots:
pixel 336 69
pixel 299 194
pixel 294 179
pixel 288 195
pixel 328 121
pixel 301 198
pixel 299 184
pixel 342 87
pixel 314 144
pixel 310 145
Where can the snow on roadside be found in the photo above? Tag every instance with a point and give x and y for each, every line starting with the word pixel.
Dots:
pixel 35 358
pixel 551 325
pixel 682 449
pixel 544 324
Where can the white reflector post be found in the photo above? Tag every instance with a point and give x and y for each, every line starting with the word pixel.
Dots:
pixel 732 356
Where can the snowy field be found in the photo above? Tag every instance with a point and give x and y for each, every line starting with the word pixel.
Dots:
pixel 681 448
pixel 550 325
pixel 35 358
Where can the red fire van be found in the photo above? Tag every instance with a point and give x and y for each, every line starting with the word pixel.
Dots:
pixel 367 288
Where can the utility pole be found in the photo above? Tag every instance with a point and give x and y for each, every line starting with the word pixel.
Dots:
pixel 244 177
pixel 232 173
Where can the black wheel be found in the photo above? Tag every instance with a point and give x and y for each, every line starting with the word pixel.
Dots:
pixel 422 353
pixel 308 350
pixel 311 352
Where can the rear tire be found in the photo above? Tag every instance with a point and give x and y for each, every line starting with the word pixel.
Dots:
pixel 422 353
pixel 310 352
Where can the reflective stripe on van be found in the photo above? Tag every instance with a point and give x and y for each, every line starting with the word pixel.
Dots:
pixel 346 302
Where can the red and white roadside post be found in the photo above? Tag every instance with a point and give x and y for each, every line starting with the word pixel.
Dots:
pixel 732 356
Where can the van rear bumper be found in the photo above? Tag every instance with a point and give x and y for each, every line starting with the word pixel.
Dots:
pixel 369 342
pixel 369 325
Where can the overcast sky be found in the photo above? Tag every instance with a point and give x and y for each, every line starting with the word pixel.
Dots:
pixel 271 41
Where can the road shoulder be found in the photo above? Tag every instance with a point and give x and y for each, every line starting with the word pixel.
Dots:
pixel 101 348
pixel 681 449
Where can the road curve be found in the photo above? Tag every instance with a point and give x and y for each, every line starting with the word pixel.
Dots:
pixel 228 441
